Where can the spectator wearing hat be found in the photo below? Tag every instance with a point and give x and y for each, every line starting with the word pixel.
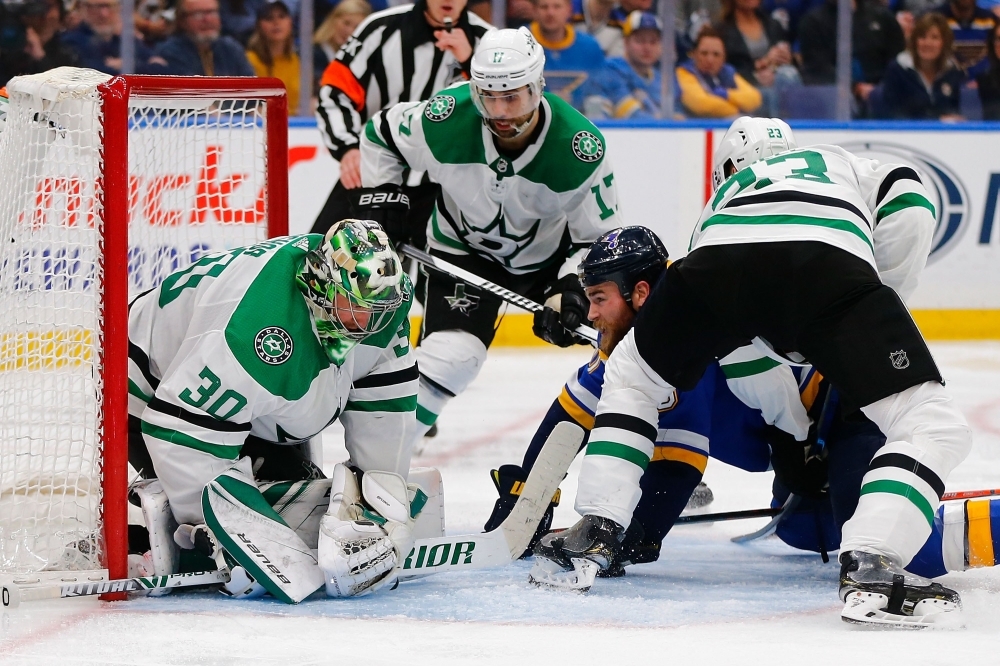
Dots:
pixel 271 48
pixel 629 87
pixel 198 48
pixel 710 87
pixel 571 57
pixel 335 30
pixel 97 39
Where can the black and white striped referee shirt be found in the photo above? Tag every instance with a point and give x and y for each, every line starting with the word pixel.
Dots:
pixel 390 58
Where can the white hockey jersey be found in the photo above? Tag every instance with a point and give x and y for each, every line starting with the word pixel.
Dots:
pixel 878 212
pixel 524 213
pixel 227 348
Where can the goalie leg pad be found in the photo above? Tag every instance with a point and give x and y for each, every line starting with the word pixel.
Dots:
pixel 301 504
pixel 163 557
pixel 426 493
pixel 256 537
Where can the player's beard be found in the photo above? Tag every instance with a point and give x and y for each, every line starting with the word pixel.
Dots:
pixel 612 330
pixel 512 124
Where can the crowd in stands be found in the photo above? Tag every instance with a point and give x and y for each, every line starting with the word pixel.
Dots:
pixel 910 59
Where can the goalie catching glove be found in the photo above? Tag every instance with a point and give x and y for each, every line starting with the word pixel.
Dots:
pixel 366 533
pixel 565 308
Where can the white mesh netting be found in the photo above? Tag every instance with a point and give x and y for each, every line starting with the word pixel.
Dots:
pixel 196 185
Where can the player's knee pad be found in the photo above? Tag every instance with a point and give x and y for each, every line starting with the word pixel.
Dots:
pixel 256 537
pixel 426 491
pixel 925 417
pixel 451 359
pixel 163 556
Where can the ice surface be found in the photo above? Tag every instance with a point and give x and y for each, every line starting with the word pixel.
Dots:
pixel 707 601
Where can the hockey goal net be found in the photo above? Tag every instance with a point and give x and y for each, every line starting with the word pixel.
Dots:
pixel 107 185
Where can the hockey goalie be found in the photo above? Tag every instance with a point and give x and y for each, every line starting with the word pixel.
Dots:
pixel 238 358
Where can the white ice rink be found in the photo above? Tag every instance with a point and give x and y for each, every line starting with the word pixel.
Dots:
pixel 707 601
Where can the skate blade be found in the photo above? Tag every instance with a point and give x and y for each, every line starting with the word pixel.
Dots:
pixel 546 573
pixel 866 609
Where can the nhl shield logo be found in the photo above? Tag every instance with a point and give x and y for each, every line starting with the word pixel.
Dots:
pixel 439 108
pixel 273 345
pixel 899 360
pixel 587 147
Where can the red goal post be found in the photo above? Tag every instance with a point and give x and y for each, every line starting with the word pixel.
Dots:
pixel 153 172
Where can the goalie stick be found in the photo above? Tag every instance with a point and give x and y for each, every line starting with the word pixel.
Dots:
pixel 428 556
pixel 442 266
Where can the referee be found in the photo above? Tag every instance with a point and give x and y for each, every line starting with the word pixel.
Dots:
pixel 401 54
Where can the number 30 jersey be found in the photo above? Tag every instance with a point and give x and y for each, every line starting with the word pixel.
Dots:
pixel 523 212
pixel 227 348
pixel 880 213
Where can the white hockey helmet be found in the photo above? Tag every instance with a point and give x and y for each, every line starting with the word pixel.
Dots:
pixel 504 62
pixel 748 140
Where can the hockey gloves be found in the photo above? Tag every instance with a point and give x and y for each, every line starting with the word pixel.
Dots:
pixel 566 308
pixel 387 205
pixel 797 465
pixel 509 480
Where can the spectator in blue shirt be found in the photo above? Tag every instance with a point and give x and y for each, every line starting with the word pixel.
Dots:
pixel 923 83
pixel 198 48
pixel 97 40
pixel 971 25
pixel 571 57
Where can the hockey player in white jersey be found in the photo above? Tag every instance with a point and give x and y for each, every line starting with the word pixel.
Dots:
pixel 526 187
pixel 247 352
pixel 801 251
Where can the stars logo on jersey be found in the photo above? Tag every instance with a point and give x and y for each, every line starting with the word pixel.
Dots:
pixel 273 345
pixel 587 147
pixel 495 241
pixel 439 108
pixel 461 301
pixel 899 360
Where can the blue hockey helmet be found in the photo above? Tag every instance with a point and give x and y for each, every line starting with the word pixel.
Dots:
pixel 624 256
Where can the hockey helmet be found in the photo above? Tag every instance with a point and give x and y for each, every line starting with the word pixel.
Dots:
pixel 504 62
pixel 748 140
pixel 624 256
pixel 353 282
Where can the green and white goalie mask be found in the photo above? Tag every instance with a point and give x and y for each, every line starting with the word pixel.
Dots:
pixel 353 284
pixel 506 80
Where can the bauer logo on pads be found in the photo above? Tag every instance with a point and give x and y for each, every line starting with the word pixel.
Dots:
pixel 273 345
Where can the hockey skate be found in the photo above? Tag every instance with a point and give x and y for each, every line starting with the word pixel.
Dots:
pixel 571 559
pixel 878 593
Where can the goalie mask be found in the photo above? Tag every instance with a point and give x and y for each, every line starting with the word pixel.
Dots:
pixel 506 81
pixel 353 284
pixel 748 140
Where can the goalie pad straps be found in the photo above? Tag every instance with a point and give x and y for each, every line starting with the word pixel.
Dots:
pixel 256 537
pixel 164 555
pixel 301 504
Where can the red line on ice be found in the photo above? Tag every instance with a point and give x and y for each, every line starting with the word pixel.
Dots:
pixel 464 448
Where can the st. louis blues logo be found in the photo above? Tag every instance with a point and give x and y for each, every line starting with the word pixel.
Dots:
pixel 947 193
pixel 464 303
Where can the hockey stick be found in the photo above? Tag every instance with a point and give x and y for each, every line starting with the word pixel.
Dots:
pixel 970 494
pixel 727 515
pixel 13 594
pixel 506 543
pixel 442 266
pixel 767 530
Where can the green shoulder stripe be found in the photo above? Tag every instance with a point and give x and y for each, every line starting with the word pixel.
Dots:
pixel 452 127
pixel 829 223
pixel 274 302
pixel 373 136
pixel 615 450
pixel 748 368
pixel 572 151
pixel 905 200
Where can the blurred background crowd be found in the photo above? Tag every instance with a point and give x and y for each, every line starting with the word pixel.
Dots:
pixel 910 59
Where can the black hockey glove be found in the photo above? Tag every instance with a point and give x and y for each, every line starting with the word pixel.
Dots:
pixel 387 205
pixel 795 465
pixel 509 480
pixel 557 327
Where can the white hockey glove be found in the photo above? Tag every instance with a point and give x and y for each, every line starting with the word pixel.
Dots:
pixel 361 543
